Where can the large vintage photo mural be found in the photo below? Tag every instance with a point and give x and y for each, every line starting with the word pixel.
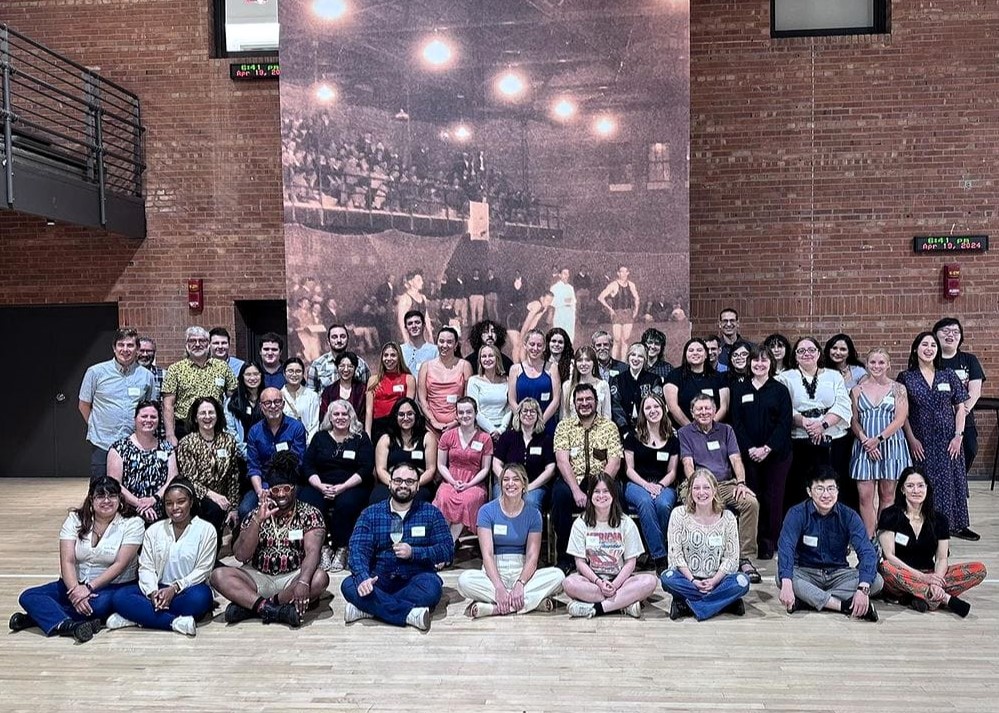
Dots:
pixel 522 161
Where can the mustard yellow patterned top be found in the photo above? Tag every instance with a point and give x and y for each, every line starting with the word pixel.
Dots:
pixel 589 448
pixel 188 381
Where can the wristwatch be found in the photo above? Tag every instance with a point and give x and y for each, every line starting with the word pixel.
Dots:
pixel 825 426
pixel 865 588
pixel 881 439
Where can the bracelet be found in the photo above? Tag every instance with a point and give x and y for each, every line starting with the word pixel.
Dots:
pixel 302 581
pixel 176 587
pixel 881 439
pixel 87 585
pixel 521 582
pixel 959 435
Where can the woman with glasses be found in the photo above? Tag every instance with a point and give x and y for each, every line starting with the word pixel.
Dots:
pixel 915 542
pixel 738 363
pixel 98 553
pixel 950 334
pixel 526 444
pixel 821 416
pixel 408 440
pixel 347 387
pixel 143 464
pixel 300 403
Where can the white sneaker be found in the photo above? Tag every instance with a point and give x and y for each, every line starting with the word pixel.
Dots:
pixel 581 609
pixel 352 614
pixel 184 625
pixel 634 610
pixel 117 621
pixel 419 618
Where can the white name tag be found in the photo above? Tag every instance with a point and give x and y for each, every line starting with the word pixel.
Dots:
pixel 747 399
pixel 713 445
pixel 295 535
pixel 499 529
pixel 716 539
pixel 810 540
pixel 249 410
pixel 709 392
pixel 452 398
pixel 943 387
pixel 349 455
pixel 219 381
pixel 901 539
pixel 134 391
pixel 418 455
pixel 546 396
pixel 573 452
pixel 476 445
pixel 534 450
pixel 614 372
pixel 162 455
pixel 962 374
pixel 279 447
pixel 221 453
pixel 398 388
pixel 662 456
pixel 418 531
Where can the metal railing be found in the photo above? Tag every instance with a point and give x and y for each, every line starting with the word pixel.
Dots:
pixel 58 114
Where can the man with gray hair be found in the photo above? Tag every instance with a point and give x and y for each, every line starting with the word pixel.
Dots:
pixel 196 375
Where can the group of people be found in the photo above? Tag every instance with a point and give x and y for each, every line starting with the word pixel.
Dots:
pixel 337 465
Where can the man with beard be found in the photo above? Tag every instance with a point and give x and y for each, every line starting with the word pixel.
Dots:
pixel 487 332
pixel 603 345
pixel 394 550
pixel 279 545
pixel 147 358
pixel 323 371
pixel 196 375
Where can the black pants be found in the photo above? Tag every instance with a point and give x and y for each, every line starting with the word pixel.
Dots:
pixel 563 508
pixel 213 514
pixel 341 513
pixel 970 444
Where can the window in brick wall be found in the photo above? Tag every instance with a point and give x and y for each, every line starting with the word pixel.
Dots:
pixel 658 166
pixel 246 27
pixel 620 167
pixel 808 18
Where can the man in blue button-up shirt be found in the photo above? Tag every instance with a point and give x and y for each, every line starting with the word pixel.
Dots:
pixel 394 550
pixel 812 564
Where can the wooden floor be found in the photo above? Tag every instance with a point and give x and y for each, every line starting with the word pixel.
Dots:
pixel 767 660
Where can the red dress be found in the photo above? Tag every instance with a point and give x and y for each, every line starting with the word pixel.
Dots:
pixel 463 462
pixel 390 389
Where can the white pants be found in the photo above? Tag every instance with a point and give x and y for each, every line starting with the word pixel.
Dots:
pixel 475 584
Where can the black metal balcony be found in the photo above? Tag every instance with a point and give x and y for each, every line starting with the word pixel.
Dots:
pixel 70 141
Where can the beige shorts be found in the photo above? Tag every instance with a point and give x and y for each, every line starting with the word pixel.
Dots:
pixel 270 584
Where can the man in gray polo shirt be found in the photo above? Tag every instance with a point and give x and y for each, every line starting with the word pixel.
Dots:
pixel 707 444
pixel 108 396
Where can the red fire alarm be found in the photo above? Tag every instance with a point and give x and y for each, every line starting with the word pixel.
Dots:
pixel 196 294
pixel 951 281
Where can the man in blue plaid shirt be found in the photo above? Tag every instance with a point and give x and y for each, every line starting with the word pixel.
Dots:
pixel 394 551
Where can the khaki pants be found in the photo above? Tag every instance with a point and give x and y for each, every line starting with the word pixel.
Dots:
pixel 475 584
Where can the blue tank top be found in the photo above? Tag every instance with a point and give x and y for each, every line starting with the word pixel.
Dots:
pixel 540 389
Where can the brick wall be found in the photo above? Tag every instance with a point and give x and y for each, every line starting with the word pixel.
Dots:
pixel 213 182
pixel 815 161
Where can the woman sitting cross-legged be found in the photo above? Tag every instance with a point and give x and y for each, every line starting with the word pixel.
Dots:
pixel 606 545
pixel 510 540
pixel 177 557
pixel 98 549
pixel 915 541
pixel 704 576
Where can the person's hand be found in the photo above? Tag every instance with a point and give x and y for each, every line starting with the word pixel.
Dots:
pixel 367 586
pixel 653 489
pixel 163 597
pixel 267 507
pixel 502 601
pixel 461 486
pixel 786 596
pixel 300 596
pixel 813 427
pixel 742 491
pixel 758 454
pixel 954 448
pixel 221 500
pixel 79 593
pixel 607 587
pixel 579 497
pixel 232 518
pixel 329 491
pixel 403 550
pixel 917 450
pixel 145 504
pixel 516 597
pixel 149 514
pixel 934 578
pixel 83 605
pixel 937 593
pixel 861 602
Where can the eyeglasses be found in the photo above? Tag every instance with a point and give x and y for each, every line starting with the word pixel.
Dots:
pixel 405 481
pixel 197 341
pixel 273 402
pixel 950 331
pixel 107 496
pixel 806 350
pixel 406 414
pixel 823 489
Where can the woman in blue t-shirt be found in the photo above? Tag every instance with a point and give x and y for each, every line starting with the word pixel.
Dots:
pixel 510 539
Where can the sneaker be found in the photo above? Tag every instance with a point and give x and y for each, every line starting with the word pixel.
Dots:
pixel 339 562
pixel 19 621
pixel 352 614
pixel 419 618
pixel 117 621
pixel 280 614
pixel 184 625
pixel 234 613
pixel 678 609
pixel 738 608
pixel 582 610
pixel 326 558
pixel 634 610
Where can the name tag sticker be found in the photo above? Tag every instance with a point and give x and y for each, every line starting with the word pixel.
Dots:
pixel 716 539
pixel 162 455
pixel 962 374
pixel 943 387
pixel 713 445
pixel 573 452
pixel 709 392
pixel 349 455
pixel 249 410
pixel 546 396
pixel 219 381
pixel 418 531
pixel 499 529
pixel 221 453
pixel 662 456
pixel 452 398
pixel 476 445
pixel 534 450
pixel 901 539
pixel 134 391
pixel 295 535
pixel 279 447
pixel 614 372
pixel 418 455
pixel 810 540
pixel 399 388
pixel 747 399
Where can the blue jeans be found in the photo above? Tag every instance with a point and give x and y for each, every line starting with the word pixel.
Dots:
pixel 705 606
pixel 248 504
pixel 394 597
pixel 132 604
pixel 653 515
pixel 49 604
pixel 537 498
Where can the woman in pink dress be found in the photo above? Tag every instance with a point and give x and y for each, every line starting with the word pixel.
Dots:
pixel 464 457
pixel 442 382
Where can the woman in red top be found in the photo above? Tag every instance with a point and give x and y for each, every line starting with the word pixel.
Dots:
pixel 392 382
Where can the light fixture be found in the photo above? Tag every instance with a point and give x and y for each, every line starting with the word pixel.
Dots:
pixel 510 84
pixel 329 9
pixel 326 93
pixel 462 133
pixel 437 52
pixel 605 125
pixel 563 109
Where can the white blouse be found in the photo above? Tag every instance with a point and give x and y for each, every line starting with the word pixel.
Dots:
pixel 492 401
pixel 304 407
pixel 831 396
pixel 92 561
pixel 186 562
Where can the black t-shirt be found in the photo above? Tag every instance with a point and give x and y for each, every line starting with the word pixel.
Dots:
pixel 652 463
pixel 968 368
pixel 689 385
pixel 534 457
pixel 917 552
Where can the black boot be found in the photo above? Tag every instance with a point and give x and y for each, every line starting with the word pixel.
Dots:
pixel 959 607
pixel 19 621
pixel 280 613
pixel 82 631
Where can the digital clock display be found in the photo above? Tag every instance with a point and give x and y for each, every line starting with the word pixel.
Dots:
pixel 950 243
pixel 254 70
